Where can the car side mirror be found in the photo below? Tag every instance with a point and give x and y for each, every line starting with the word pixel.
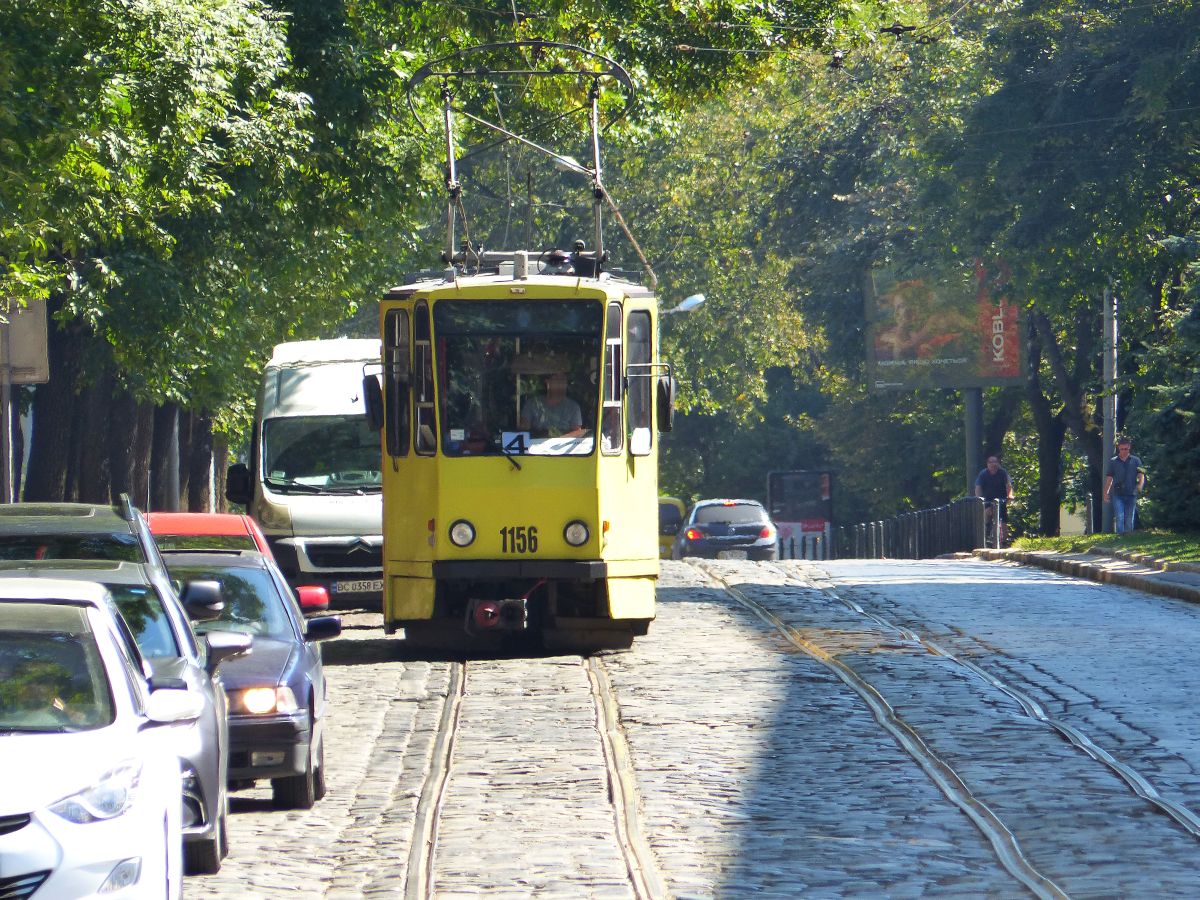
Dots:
pixel 203 600
pixel 237 484
pixel 223 645
pixel 322 628
pixel 666 402
pixel 373 400
pixel 312 597
pixel 174 705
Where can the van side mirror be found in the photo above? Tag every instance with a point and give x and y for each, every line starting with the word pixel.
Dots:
pixel 237 484
pixel 666 402
pixel 373 400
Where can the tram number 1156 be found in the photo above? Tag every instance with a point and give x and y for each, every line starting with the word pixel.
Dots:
pixel 519 539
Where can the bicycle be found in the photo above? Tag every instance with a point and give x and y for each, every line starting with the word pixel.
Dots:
pixel 990 509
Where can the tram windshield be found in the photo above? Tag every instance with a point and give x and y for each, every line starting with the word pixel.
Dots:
pixel 321 455
pixel 518 377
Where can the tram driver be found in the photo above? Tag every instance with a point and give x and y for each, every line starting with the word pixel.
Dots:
pixel 555 414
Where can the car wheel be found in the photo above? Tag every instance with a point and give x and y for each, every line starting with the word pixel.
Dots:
pixel 204 857
pixel 297 791
pixel 320 790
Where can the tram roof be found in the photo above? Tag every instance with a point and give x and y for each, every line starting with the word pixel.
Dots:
pixel 608 282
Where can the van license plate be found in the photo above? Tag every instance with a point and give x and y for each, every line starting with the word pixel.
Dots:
pixel 363 586
pixel 731 554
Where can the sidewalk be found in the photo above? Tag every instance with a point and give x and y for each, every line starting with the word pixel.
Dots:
pixel 1132 570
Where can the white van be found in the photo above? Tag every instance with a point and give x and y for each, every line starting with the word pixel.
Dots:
pixel 314 481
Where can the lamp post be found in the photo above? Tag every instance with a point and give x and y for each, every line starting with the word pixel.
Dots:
pixel 685 306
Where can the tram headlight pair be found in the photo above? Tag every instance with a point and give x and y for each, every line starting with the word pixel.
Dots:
pixel 576 533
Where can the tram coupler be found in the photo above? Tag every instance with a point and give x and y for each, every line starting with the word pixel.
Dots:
pixel 497 615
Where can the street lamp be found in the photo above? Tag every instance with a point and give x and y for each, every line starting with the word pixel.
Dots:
pixel 687 305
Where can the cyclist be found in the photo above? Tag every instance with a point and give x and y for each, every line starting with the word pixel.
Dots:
pixel 995 486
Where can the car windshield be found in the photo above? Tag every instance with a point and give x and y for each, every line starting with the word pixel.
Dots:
pixel 253 603
pixel 120 547
pixel 669 517
pixel 518 377
pixel 321 455
pixel 51 676
pixel 205 541
pixel 143 611
pixel 733 514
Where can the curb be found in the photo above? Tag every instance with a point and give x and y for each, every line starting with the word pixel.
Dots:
pixel 1097 571
pixel 1145 559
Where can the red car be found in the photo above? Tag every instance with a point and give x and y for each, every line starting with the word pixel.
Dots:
pixel 207 531
pixel 223 531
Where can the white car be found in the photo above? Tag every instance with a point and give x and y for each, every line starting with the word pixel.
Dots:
pixel 90 785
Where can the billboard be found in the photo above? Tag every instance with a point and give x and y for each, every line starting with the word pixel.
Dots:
pixel 947 329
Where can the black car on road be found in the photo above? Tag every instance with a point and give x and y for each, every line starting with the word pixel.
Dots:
pixel 726 529
pixel 277 693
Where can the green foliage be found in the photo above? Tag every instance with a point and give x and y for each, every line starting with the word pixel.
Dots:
pixel 1156 543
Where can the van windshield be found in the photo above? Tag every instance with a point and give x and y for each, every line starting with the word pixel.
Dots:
pixel 321 455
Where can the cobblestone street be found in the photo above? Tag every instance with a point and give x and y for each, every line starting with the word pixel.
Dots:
pixel 759 770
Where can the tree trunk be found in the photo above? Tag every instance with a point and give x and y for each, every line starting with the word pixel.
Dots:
pixel 122 437
pixel 200 461
pixel 1000 421
pixel 161 468
pixel 220 468
pixel 1075 411
pixel 187 423
pixel 18 441
pixel 54 413
pixel 94 484
pixel 1051 430
pixel 139 460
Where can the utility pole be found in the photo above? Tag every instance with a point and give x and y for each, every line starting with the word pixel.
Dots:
pixel 973 429
pixel 6 442
pixel 1110 393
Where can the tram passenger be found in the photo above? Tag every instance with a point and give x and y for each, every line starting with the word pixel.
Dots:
pixel 555 414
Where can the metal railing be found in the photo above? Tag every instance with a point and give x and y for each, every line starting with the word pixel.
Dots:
pixel 807 546
pixel 958 527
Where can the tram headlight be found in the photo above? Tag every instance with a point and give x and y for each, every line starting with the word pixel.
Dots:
pixel 576 533
pixel 462 533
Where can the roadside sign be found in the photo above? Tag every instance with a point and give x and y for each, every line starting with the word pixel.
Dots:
pixel 23 350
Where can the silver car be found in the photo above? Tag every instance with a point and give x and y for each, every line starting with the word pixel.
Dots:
pixel 160 628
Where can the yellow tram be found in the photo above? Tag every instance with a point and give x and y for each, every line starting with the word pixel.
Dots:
pixel 520 455
pixel 520 399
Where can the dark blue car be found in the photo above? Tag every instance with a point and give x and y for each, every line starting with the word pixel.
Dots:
pixel 277 693
pixel 726 529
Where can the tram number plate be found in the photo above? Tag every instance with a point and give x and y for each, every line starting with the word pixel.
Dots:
pixel 362 586
pixel 731 554
pixel 519 539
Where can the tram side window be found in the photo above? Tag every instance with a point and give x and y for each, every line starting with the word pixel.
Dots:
pixel 640 378
pixel 396 378
pixel 612 434
pixel 426 439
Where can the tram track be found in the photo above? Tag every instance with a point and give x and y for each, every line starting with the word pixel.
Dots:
pixel 943 775
pixel 1137 783
pixel 418 879
pixel 454 750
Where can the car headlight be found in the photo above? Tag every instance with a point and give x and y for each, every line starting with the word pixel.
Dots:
pixel 259 701
pixel 110 796
pixel 462 533
pixel 576 533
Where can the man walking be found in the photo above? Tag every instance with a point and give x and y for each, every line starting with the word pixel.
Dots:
pixel 1122 483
